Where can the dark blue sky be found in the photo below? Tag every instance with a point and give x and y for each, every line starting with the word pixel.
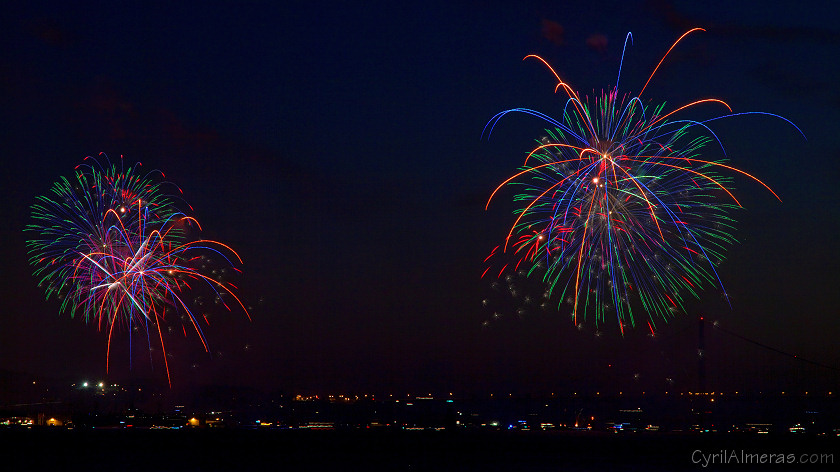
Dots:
pixel 337 148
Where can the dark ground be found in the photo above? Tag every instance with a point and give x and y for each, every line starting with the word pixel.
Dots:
pixel 223 450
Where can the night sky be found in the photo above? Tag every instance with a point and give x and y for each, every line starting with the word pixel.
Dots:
pixel 338 148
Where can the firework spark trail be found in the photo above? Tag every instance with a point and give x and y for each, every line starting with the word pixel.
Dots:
pixel 618 209
pixel 113 246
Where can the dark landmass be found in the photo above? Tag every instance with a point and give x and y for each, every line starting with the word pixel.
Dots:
pixel 93 425
pixel 237 449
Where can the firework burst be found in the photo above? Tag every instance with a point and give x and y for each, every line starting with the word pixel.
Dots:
pixel 113 247
pixel 618 212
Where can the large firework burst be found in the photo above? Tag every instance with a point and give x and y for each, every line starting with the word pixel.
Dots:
pixel 619 214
